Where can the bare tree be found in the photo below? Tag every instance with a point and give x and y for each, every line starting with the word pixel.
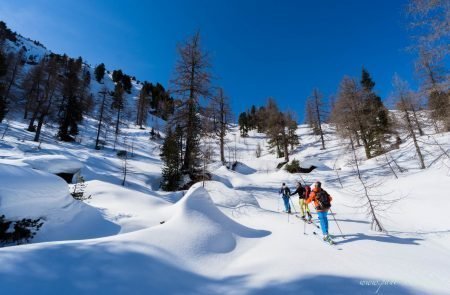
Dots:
pixel 103 113
pixel 51 87
pixel 374 204
pixel 404 98
pixel 348 113
pixel 360 113
pixel 15 62
pixel 220 115
pixel 191 82
pixel 430 21
pixel 317 108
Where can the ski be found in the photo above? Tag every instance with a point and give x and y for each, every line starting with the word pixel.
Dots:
pixel 329 241
pixel 308 222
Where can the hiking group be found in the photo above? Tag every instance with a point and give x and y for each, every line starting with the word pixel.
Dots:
pixel 320 198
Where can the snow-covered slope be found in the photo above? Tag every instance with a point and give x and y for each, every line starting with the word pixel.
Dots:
pixel 231 237
pixel 228 236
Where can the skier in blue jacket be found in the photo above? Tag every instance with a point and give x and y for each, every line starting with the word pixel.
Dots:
pixel 285 194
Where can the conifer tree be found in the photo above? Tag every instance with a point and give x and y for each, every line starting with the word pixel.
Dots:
pixel 118 104
pixel 375 114
pixel 243 124
pixel 126 83
pixel 71 107
pixel 171 162
pixel 117 76
pixel 99 72
pixel 142 104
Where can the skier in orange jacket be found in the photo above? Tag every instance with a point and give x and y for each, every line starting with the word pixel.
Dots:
pixel 322 203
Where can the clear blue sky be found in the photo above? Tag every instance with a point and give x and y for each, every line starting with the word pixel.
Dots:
pixel 259 48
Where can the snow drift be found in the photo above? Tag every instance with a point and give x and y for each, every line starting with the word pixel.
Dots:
pixel 29 193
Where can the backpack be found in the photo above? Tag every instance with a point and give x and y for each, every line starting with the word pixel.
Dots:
pixel 285 191
pixel 306 192
pixel 323 199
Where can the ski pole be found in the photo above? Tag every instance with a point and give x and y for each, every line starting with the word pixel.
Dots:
pixel 288 216
pixel 304 227
pixel 293 206
pixel 337 223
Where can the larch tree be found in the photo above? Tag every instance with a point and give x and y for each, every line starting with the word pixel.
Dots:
pixel 316 107
pixel 404 98
pixel 104 114
pixel 221 116
pixel 429 20
pixel 190 84
pixel 51 87
pixel 15 61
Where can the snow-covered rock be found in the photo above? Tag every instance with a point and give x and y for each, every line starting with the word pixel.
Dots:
pixel 29 193
pixel 54 163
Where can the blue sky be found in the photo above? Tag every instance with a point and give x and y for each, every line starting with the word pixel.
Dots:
pixel 259 49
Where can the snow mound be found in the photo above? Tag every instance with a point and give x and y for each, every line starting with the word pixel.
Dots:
pixel 29 193
pixel 25 192
pixel 198 233
pixel 130 209
pixel 230 178
pixel 210 229
pixel 244 169
pixel 54 163
pixel 228 197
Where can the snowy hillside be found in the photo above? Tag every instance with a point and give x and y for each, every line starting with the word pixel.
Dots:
pixel 34 52
pixel 229 237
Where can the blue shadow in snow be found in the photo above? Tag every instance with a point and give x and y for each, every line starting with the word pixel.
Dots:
pixel 336 285
pixel 378 238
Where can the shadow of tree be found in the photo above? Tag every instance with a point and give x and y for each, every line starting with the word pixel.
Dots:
pixel 379 238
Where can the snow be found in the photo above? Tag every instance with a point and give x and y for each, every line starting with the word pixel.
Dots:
pixel 228 236
pixel 27 192
pixel 54 163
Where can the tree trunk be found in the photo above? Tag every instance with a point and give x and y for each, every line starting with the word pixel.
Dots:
pixel 413 135
pixel 416 120
pixel 11 81
pixel 319 121
pixel 117 121
pixel 39 127
pixel 31 124
pixel 100 121
pixel 285 146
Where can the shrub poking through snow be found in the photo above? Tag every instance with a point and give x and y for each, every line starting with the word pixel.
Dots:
pixel 21 232
pixel 293 167
pixel 78 190
pixel 258 150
